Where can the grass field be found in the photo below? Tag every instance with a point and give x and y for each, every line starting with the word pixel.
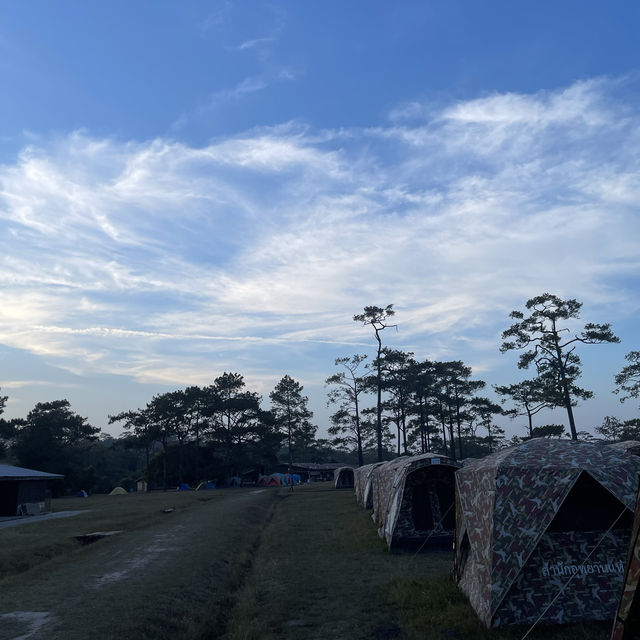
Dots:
pixel 235 564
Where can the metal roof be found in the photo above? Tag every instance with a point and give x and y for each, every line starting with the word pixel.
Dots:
pixel 9 472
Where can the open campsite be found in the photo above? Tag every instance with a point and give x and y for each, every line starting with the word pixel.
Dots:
pixel 238 563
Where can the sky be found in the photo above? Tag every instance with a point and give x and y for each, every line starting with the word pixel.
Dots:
pixel 189 188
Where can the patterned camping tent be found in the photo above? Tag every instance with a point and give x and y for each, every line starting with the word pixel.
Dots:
pixel 413 499
pixel 532 516
pixel 343 478
pixel 630 446
pixel 362 484
pixel 627 623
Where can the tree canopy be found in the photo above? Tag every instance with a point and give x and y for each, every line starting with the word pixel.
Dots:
pixel 551 346
pixel 628 380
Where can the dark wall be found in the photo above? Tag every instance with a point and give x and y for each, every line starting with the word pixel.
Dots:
pixel 16 492
pixel 8 498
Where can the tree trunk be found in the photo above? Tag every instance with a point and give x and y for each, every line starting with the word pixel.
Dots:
pixel 358 434
pixel 565 387
pixel 452 440
pixel 379 406
pixel 422 427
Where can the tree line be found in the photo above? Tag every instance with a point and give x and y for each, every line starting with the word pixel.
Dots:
pixel 438 406
pixel 198 433
pixel 390 404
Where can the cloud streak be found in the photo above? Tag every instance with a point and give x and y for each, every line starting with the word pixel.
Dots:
pixel 164 261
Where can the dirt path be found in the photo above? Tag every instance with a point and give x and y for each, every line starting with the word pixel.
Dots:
pixel 150 583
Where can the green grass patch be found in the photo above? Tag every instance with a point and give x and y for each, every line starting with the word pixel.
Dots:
pixel 437 609
pixel 323 572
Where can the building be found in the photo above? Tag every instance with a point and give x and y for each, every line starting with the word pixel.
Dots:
pixel 24 491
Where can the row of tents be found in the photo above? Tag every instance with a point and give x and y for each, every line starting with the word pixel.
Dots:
pixel 279 480
pixel 541 531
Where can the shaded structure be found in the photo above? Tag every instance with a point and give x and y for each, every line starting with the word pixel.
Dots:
pixel 24 491
pixel 312 471
pixel 542 531
pixel 413 499
pixel 343 478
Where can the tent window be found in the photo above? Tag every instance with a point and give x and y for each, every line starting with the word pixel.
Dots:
pixel 590 507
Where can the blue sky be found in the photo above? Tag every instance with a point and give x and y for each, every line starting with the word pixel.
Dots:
pixel 188 188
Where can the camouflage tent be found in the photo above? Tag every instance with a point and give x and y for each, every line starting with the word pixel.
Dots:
pixel 413 499
pixel 630 446
pixel 545 519
pixel 627 623
pixel 343 478
pixel 362 484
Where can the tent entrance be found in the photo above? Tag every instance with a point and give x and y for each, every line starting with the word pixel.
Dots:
pixel 432 498
pixel 590 507
pixel 345 479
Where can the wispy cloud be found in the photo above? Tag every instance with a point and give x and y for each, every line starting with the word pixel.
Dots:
pixel 167 262
pixel 260 48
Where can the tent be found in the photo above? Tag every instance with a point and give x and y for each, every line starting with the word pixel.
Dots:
pixel 629 446
pixel 118 491
pixel 274 480
pixel 206 485
pixel 542 531
pixel 343 478
pixel 362 484
pixel 627 623
pixel 413 499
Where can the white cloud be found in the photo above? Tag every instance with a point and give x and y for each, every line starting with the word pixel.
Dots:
pixel 167 262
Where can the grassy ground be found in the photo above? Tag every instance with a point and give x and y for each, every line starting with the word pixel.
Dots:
pixel 160 578
pixel 237 565
pixel 322 572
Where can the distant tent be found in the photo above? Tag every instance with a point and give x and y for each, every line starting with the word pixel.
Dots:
pixel 343 478
pixel 527 519
pixel 413 499
pixel 627 623
pixel 184 487
pixel 118 491
pixel 362 484
pixel 204 486
pixel 275 480
pixel 235 482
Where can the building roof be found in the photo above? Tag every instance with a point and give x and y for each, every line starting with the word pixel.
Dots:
pixel 315 466
pixel 9 472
